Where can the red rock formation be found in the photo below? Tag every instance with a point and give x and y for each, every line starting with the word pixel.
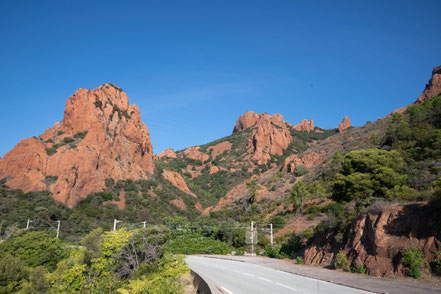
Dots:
pixel 194 153
pixel 305 125
pixel 379 239
pixel 269 136
pixel 219 148
pixel 346 123
pixel 177 181
pixel 309 160
pixel 179 203
pixel 170 153
pixel 101 136
pixel 245 121
pixel 433 88
pixel 199 207
pixel 213 169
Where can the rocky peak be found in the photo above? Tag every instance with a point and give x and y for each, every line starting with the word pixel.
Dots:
pixel 270 135
pixel 305 125
pixel 101 136
pixel 346 123
pixel 245 121
pixel 433 88
pixel 170 153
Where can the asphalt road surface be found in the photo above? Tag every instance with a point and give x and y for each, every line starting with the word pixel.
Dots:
pixel 234 277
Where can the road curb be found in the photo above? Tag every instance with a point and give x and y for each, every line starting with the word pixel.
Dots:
pixel 204 285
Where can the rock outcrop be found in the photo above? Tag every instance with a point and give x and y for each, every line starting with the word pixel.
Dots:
pixel 270 135
pixel 169 153
pixel 309 159
pixel 194 153
pixel 379 239
pixel 433 88
pixel 305 125
pixel 176 180
pixel 345 124
pixel 101 136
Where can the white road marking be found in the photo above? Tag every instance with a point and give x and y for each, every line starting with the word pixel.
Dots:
pixel 229 292
pixel 265 279
pixel 246 274
pixel 286 286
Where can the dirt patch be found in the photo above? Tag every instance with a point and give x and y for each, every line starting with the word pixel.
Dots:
pixel 219 148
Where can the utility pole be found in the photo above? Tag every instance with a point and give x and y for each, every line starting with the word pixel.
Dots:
pixel 144 224
pixel 271 233
pixel 252 237
pixel 115 221
pixel 28 223
pixel 58 229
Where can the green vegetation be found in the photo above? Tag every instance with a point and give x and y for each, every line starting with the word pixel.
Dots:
pixel 300 170
pixel 341 262
pixel 367 173
pixel 358 268
pixel 413 258
pixel 50 151
pixel 117 261
pixel 437 262
pixel 195 243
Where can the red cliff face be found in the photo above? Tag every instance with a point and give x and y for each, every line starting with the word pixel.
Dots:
pixel 345 124
pixel 433 88
pixel 305 125
pixel 379 239
pixel 101 136
pixel 269 135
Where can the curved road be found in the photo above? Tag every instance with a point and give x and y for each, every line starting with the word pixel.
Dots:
pixel 234 277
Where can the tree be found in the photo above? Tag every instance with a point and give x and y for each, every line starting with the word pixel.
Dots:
pixel 300 170
pixel 299 193
pixel 368 173
pixel 35 249
pixel 12 273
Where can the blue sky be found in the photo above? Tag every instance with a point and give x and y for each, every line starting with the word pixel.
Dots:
pixel 193 67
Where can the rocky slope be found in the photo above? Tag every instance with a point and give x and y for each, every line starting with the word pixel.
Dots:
pixel 379 239
pixel 101 136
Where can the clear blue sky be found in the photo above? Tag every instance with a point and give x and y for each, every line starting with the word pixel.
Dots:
pixel 193 67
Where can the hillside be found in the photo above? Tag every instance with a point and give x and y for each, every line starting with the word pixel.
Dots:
pixel 347 191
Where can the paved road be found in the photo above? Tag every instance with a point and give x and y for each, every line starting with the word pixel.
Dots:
pixel 234 277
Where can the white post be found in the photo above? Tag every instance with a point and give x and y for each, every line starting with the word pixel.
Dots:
pixel 144 224
pixel 115 221
pixel 58 229
pixel 271 230
pixel 252 237
pixel 28 223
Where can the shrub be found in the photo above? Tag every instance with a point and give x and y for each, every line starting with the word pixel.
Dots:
pixel 35 249
pixel 358 268
pixel 437 262
pixel 68 140
pixel 413 258
pixel 12 272
pixel 299 260
pixel 273 251
pixel 341 262
pixel 49 180
pixel 293 244
pixel 300 170
pixel 50 151
pixel 197 244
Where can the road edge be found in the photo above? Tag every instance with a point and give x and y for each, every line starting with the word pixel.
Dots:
pixel 204 285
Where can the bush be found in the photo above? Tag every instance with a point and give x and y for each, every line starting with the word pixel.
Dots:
pixel 50 151
pixel 68 140
pixel 35 249
pixel 300 170
pixel 273 251
pixel 299 260
pixel 413 258
pixel 12 272
pixel 437 262
pixel 341 262
pixel 293 244
pixel 358 268
pixel 197 244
